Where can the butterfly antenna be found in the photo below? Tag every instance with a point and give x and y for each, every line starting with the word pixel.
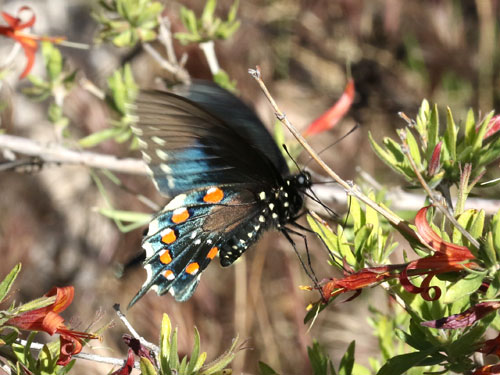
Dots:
pixel 290 156
pixel 355 127
pixel 349 202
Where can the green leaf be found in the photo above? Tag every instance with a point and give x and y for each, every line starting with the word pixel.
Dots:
pixel 320 362
pixel 433 132
pixel 387 157
pixel 53 60
pixel 401 363
pixel 98 137
pixel 147 367
pixel 450 135
pixel 208 13
pixel 347 361
pixel 422 119
pixel 464 287
pixel 470 128
pixel 8 281
pixel 265 369
pixel 414 149
pixel 495 229
pixel 126 216
pixel 166 332
pixel 478 139
pixel 194 353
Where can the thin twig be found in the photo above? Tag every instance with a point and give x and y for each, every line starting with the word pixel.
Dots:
pixel 134 333
pixel 55 153
pixel 437 202
pixel 349 187
pixel 165 37
pixel 87 356
pixel 208 49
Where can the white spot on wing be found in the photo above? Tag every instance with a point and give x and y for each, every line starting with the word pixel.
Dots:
pixel 165 168
pixel 159 141
pixel 197 242
pixel 271 206
pixel 146 157
pixel 262 195
pixel 153 228
pixel 162 154
pixel 148 248
pixel 275 216
pixel 175 203
pixel 262 219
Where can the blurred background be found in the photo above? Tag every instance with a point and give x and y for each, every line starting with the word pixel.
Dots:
pixel 397 51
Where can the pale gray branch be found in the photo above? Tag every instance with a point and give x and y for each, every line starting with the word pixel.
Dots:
pixel 55 153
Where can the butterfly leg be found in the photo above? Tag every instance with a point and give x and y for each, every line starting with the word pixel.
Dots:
pixel 309 271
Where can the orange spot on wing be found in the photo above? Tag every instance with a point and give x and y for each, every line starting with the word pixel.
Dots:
pixel 166 258
pixel 180 215
pixel 169 275
pixel 192 268
pixel 213 252
pixel 169 236
pixel 213 195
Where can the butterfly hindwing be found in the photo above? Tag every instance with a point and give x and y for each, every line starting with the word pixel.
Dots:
pixel 188 234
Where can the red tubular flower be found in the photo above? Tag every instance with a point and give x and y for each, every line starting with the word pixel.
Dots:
pixel 47 319
pixel 435 159
pixel 128 366
pixel 464 319
pixel 330 118
pixel 28 42
pixel 491 346
pixel 493 126
pixel 358 280
pixel 487 370
pixel 449 257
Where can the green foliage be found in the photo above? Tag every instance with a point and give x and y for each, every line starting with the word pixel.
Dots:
pixel 128 22
pixel 57 84
pixel 171 364
pixel 460 145
pixel 208 26
pixel 123 91
pixel 224 81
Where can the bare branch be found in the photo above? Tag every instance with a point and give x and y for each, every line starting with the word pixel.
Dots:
pixel 55 153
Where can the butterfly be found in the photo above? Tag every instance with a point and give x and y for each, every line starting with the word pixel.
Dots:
pixel 228 179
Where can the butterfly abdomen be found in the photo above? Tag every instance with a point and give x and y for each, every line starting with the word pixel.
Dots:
pixel 279 206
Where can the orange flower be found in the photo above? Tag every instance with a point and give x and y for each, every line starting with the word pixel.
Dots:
pixel 47 319
pixel 28 42
pixel 487 370
pixel 358 280
pixel 330 118
pixel 448 257
pixel 491 346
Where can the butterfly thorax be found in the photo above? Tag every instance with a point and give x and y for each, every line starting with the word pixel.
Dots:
pixel 279 206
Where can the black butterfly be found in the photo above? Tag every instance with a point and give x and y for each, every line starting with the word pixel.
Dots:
pixel 229 180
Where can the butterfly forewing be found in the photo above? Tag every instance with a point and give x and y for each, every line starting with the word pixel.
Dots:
pixel 196 149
